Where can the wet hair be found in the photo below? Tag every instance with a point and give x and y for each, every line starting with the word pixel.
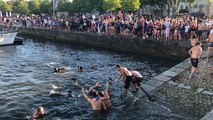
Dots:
pixel 198 43
pixel 69 93
pixel 94 94
pixel 101 94
pixel 56 70
pixel 118 66
pixel 81 68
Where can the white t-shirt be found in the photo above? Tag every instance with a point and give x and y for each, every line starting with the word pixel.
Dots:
pixel 187 28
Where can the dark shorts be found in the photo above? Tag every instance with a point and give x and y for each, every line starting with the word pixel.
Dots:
pixel 200 32
pixel 136 80
pixel 128 81
pixel 194 62
pixel 210 44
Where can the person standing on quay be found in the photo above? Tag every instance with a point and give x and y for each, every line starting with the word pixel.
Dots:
pixel 210 44
pixel 195 53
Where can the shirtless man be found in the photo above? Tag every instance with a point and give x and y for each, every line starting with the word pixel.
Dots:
pixel 95 102
pixel 200 30
pixel 127 77
pixel 105 98
pixel 210 44
pixel 137 78
pixel 195 52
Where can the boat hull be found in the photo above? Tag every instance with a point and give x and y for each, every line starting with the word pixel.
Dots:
pixel 7 38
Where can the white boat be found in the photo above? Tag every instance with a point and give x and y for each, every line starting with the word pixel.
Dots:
pixel 8 35
pixel 7 38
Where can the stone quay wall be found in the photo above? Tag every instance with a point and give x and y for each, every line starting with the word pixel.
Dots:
pixel 172 49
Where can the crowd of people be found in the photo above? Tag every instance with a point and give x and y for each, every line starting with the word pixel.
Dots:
pixel 128 24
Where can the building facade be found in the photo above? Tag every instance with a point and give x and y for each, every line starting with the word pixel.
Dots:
pixel 198 8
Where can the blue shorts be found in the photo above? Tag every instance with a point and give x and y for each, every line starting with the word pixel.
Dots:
pixel 210 44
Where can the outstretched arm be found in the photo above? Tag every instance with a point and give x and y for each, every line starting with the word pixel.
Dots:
pixel 84 95
pixel 107 87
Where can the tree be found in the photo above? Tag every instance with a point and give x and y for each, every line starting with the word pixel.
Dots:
pixel 22 7
pixel 111 5
pixel 34 6
pixel 46 7
pixel 64 5
pixel 4 6
pixel 80 6
pixel 128 5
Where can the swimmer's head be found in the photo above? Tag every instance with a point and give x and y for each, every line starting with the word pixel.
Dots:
pixel 118 66
pixel 41 110
pixel 194 36
pixel 94 94
pixel 81 68
pixel 96 83
pixel 69 93
pixel 110 80
pixel 55 69
pixel 101 93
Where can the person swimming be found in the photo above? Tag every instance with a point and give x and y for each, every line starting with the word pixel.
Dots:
pixel 54 93
pixel 60 70
pixel 38 114
pixel 96 87
pixel 79 68
pixel 77 58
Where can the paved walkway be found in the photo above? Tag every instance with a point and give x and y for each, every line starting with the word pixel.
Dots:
pixel 194 96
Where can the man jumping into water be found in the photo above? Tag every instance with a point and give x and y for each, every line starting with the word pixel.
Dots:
pixel 127 77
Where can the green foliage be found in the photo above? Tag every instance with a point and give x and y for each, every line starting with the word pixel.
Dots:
pixel 46 7
pixel 111 5
pixel 64 5
pixel 4 6
pixel 22 7
pixel 86 5
pixel 128 5
pixel 34 6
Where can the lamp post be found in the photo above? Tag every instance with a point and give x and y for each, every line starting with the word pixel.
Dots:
pixel 55 7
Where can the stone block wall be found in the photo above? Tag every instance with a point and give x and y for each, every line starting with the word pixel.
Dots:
pixel 136 45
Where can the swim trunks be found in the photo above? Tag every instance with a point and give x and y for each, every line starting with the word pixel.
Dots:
pixel 200 32
pixel 128 81
pixel 210 44
pixel 136 80
pixel 194 62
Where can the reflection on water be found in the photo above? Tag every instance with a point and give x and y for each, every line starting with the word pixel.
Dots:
pixel 26 79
